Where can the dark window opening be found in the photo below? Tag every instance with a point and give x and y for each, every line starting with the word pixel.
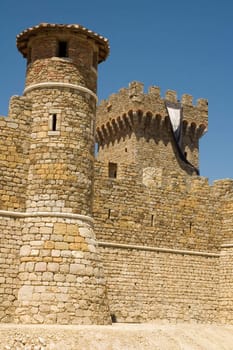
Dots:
pixel 113 318
pixel 190 227
pixel 152 220
pixel 126 149
pixel 109 213
pixel 185 154
pixel 95 60
pixel 62 49
pixel 54 122
pixel 112 170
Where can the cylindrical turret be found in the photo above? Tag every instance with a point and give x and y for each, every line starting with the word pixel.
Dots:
pixel 61 81
pixel 60 272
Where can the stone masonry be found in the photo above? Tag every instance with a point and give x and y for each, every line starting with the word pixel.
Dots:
pixel 131 235
pixel 50 266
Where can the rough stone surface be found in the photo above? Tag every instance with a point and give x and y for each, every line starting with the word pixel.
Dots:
pixel 160 246
pixel 50 268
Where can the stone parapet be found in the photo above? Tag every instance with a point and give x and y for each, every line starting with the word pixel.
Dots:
pixel 23 37
pixel 130 104
pixel 134 127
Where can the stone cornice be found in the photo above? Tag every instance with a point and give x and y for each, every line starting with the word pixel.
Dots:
pixel 157 249
pixel 23 37
pixel 55 84
pixel 9 213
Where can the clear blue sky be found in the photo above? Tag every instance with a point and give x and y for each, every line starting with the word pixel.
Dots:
pixel 183 45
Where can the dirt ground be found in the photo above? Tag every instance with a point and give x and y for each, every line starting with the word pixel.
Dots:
pixel 153 336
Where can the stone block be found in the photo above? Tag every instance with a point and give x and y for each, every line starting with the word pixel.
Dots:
pixel 45 308
pixel 53 267
pixel 61 245
pixel 25 293
pixel 85 232
pixel 55 253
pixel 47 276
pixel 77 269
pixel 25 250
pixel 72 230
pixel 40 266
pixel 58 277
pixel 60 228
pixel 47 259
pixel 49 244
pixel 77 254
pixel 23 276
pixel 69 239
pixel 35 252
pixel 75 246
pixel 84 247
pixel 64 268
pixel 70 278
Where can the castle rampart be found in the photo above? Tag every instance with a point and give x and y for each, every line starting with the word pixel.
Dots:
pixel 160 243
pixel 132 123
pixel 133 98
pixel 135 233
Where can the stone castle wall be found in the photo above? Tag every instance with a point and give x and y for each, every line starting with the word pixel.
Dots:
pixel 168 212
pixel 11 229
pixel 135 233
pixel 14 143
pixel 161 243
pixel 225 190
pixel 146 285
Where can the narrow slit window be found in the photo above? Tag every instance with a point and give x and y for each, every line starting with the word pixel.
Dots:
pixel 54 122
pixel 109 213
pixel 152 220
pixel 112 170
pixel 62 49
pixel 190 227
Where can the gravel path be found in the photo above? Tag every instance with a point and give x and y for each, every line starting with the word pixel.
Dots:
pixel 156 336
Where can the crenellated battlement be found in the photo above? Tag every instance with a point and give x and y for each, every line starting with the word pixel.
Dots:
pixel 223 188
pixel 133 126
pixel 131 106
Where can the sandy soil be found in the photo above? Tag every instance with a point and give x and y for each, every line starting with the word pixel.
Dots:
pixel 156 336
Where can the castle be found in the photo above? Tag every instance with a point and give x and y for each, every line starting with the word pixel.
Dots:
pixel 132 234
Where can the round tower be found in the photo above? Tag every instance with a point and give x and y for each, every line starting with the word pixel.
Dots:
pixel 61 82
pixel 60 272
